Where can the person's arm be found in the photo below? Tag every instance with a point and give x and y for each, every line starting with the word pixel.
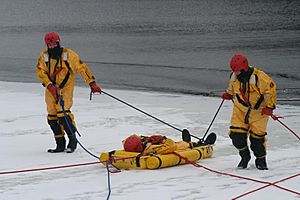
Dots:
pixel 268 89
pixel 84 72
pixel 270 94
pixel 80 67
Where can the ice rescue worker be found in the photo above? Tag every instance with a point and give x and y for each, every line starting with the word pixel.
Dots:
pixel 159 144
pixel 56 70
pixel 254 98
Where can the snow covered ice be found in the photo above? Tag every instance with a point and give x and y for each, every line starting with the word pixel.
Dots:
pixel 104 123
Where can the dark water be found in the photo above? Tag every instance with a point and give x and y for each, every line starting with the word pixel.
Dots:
pixel 158 45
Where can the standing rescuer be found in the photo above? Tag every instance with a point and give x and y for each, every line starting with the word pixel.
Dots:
pixel 254 98
pixel 56 70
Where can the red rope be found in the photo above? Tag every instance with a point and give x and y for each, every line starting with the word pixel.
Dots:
pixel 49 168
pixel 217 172
pixel 272 184
pixel 276 118
pixel 242 177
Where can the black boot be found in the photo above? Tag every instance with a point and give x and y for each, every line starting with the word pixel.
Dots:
pixel 186 135
pixel 72 144
pixel 71 131
pixel 261 163
pixel 211 138
pixel 60 145
pixel 245 158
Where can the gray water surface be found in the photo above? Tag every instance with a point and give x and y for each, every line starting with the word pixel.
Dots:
pixel 157 45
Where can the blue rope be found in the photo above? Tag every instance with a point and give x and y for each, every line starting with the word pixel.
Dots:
pixel 76 131
pixel 108 180
pixel 61 101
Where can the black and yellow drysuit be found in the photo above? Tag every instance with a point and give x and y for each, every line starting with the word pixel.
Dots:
pixel 249 98
pixel 61 73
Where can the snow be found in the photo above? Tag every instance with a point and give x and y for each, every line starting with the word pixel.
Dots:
pixel 105 122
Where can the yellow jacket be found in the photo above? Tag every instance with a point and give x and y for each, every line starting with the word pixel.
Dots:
pixel 260 87
pixel 167 146
pixel 46 67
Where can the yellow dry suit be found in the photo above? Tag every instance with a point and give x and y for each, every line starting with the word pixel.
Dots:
pixel 247 118
pixel 61 73
pixel 167 146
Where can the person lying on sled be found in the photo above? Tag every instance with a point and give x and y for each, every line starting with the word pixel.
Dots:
pixel 160 144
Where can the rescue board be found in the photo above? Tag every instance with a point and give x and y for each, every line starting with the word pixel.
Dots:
pixel 131 160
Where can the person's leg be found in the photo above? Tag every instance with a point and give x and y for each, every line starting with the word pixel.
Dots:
pixel 258 139
pixel 54 124
pixel 58 134
pixel 239 141
pixel 239 135
pixel 258 146
pixel 70 129
pixel 68 121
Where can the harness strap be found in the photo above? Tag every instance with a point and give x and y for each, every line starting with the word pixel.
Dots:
pixel 241 101
pixel 246 100
pixel 246 103
pixel 66 111
pixel 259 136
pixel 55 73
pixel 137 159
pixel 241 128
pixel 63 83
pixel 53 76
pixel 258 103
pixel 49 115
pixel 246 120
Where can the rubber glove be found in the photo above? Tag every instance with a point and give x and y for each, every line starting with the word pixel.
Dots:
pixel 54 91
pixel 227 96
pixel 267 111
pixel 94 87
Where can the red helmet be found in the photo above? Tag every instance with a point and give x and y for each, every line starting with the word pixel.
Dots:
pixel 238 63
pixel 51 37
pixel 133 144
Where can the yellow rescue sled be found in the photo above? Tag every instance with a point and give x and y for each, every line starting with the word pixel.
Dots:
pixel 131 160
